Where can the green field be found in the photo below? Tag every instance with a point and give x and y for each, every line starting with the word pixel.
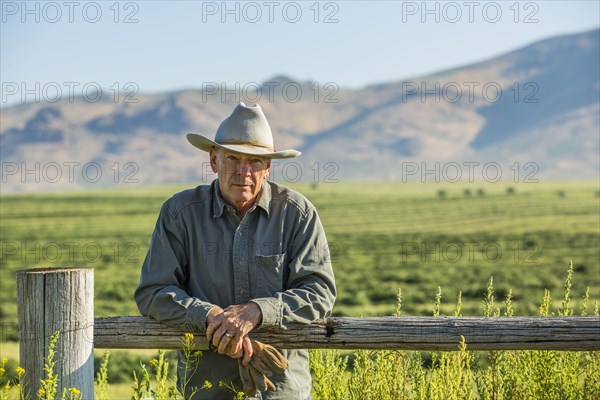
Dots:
pixel 382 237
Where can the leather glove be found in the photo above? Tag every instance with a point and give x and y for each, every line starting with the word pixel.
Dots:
pixel 253 380
pixel 265 361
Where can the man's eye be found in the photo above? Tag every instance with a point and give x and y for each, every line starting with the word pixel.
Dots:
pixel 256 161
pixel 232 158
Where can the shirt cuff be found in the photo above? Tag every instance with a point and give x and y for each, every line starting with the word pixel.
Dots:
pixel 196 314
pixel 270 309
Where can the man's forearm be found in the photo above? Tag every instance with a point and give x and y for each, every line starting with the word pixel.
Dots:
pixel 299 305
pixel 171 305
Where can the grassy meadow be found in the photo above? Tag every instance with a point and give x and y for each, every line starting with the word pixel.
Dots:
pixel 382 237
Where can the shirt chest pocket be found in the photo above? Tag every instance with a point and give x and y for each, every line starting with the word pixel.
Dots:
pixel 269 275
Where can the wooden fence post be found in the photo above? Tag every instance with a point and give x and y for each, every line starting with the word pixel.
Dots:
pixel 50 300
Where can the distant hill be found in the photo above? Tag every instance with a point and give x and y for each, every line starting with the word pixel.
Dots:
pixel 538 106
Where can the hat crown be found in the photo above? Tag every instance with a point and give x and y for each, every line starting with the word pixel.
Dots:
pixel 245 131
pixel 245 125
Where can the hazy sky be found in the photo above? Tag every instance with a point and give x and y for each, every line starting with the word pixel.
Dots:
pixel 162 46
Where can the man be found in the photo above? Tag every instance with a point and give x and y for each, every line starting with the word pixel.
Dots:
pixel 238 254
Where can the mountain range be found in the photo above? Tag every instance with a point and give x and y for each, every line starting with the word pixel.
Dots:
pixel 533 113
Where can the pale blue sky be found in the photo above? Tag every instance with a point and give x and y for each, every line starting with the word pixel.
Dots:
pixel 176 45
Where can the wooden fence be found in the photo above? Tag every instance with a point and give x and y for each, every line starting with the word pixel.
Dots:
pixel 51 300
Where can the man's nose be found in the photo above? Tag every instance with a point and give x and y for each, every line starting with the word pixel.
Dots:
pixel 244 168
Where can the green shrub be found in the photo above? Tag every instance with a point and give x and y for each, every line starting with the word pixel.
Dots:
pixel 380 375
pixel 123 363
pixel 463 374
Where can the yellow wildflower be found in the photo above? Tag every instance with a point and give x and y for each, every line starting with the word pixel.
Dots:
pixel 41 392
pixel 75 391
pixel 189 336
pixel 2 370
pixel 4 360
pixel 20 370
pixel 207 384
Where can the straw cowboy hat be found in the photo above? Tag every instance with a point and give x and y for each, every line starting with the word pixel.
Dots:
pixel 246 131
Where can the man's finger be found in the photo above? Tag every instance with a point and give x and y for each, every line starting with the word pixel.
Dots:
pixel 210 330
pixel 235 346
pixel 239 354
pixel 225 340
pixel 213 321
pixel 218 336
pixel 247 345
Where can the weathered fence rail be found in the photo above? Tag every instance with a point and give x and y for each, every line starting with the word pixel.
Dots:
pixel 407 333
pixel 51 300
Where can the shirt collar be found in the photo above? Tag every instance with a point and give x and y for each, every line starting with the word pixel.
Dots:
pixel 263 201
pixel 264 197
pixel 218 202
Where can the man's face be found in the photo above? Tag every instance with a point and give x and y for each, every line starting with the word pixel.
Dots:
pixel 240 175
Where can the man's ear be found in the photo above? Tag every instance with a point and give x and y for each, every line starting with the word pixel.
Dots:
pixel 268 169
pixel 213 160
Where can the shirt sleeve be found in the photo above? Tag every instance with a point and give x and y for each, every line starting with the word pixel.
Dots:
pixel 160 293
pixel 310 288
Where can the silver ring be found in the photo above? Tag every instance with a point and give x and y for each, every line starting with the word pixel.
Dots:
pixel 228 334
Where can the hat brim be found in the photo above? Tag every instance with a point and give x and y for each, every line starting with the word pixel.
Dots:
pixel 206 144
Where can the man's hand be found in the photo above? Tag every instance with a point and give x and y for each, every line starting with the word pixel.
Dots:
pixel 228 329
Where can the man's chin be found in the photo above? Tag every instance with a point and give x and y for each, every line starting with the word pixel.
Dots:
pixel 244 196
pixel 245 191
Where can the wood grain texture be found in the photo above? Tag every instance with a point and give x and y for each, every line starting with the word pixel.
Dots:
pixel 50 300
pixel 407 333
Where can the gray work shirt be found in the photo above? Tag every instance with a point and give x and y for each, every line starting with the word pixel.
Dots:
pixel 202 255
